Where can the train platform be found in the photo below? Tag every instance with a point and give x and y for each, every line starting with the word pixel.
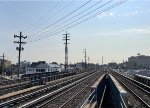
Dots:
pixel 6 77
pixel 118 92
pixel 92 105
pixel 19 92
pixel 142 79
pixel 106 92
pixel 95 85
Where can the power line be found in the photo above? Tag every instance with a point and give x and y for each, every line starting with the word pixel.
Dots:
pixel 76 15
pixel 79 22
pixel 10 6
pixel 36 23
pixel 79 13
pixel 14 57
pixel 104 10
pixel 62 18
pixel 10 51
pixel 12 13
pixel 58 12
pixel 14 6
pixel 55 14
pixel 9 20
pixel 83 15
pixel 56 31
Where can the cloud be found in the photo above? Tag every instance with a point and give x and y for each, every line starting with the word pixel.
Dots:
pixel 141 31
pixel 50 48
pixel 117 14
pixel 130 13
pixel 107 14
pixel 145 30
pixel 108 34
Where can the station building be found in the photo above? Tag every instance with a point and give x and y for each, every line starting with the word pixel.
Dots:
pixel 42 66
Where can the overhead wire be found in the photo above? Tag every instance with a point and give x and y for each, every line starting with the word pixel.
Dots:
pixel 78 14
pixel 77 21
pixel 10 52
pixel 62 18
pixel 58 12
pixel 14 58
pixel 86 19
pixel 13 6
pixel 71 12
pixel 72 17
pixel 12 9
pixel 20 14
pixel 55 14
pixel 79 18
pixel 10 19
pixel 37 22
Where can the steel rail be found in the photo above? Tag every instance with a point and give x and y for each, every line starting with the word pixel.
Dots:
pixel 28 96
pixel 102 99
pixel 41 99
pixel 77 94
pixel 144 103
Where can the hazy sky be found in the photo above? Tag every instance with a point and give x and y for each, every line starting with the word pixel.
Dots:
pixel 116 34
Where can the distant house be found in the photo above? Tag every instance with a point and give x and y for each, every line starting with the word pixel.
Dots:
pixel 79 66
pixel 113 65
pixel 42 66
pixel 6 63
pixel 13 69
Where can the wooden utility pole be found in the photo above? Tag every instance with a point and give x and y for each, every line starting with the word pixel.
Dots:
pixel 20 48
pixel 102 61
pixel 3 63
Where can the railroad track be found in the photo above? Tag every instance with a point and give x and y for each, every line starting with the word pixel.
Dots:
pixel 78 99
pixel 4 81
pixel 20 99
pixel 66 97
pixel 138 97
pixel 4 90
pixel 23 84
pixel 13 87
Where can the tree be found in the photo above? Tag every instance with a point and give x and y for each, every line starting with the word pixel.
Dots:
pixel 54 63
pixel 0 69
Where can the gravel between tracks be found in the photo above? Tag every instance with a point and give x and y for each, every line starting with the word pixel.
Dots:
pixel 78 101
pixel 132 99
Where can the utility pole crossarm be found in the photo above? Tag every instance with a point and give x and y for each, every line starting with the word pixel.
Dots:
pixel 20 42
pixel 16 36
pixel 20 36
pixel 24 37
